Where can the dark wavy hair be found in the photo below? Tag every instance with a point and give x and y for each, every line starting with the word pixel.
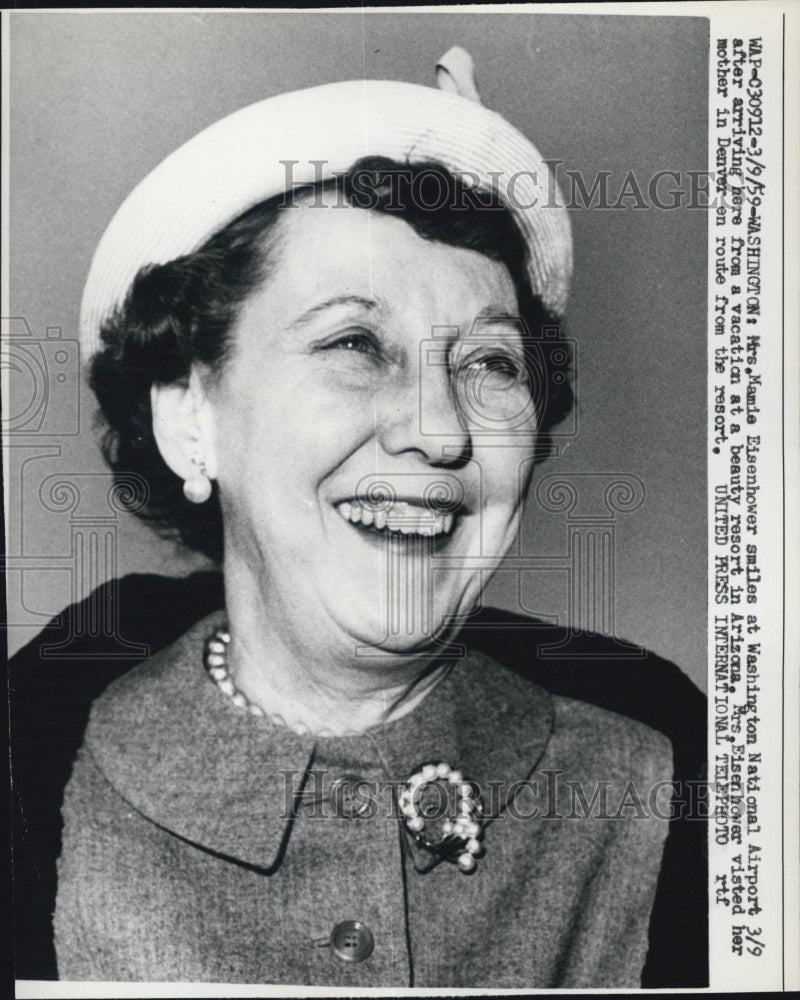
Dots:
pixel 182 312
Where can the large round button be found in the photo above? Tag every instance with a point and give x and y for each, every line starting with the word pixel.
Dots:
pixel 348 798
pixel 352 941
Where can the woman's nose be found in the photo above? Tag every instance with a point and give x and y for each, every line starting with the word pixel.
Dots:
pixel 421 414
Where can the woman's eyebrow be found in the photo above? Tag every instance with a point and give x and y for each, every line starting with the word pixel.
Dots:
pixel 496 316
pixel 491 314
pixel 338 300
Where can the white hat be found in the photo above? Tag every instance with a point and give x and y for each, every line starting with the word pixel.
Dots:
pixel 241 160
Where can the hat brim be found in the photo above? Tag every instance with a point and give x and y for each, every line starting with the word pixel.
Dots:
pixel 305 135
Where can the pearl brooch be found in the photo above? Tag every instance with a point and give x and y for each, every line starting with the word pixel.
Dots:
pixel 442 811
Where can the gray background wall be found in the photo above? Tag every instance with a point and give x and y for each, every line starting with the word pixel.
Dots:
pixel 99 99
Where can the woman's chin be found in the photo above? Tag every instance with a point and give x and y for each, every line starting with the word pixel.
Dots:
pixel 400 628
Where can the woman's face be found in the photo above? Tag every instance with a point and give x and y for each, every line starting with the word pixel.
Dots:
pixel 371 364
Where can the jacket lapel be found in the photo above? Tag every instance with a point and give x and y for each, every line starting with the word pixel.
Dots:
pixel 183 755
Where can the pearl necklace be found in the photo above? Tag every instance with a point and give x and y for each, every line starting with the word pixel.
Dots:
pixel 215 659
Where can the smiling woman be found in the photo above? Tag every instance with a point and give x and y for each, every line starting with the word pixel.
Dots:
pixel 396 332
pixel 340 390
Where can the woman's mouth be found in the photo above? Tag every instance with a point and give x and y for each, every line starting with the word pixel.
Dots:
pixel 400 517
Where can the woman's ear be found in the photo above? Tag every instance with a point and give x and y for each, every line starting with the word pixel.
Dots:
pixel 183 427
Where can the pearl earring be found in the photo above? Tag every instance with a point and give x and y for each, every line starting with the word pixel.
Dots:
pixel 197 489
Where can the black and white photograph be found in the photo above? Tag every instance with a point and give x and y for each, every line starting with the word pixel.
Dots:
pixel 393 520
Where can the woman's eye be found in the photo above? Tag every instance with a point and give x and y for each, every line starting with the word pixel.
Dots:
pixel 356 341
pixel 501 367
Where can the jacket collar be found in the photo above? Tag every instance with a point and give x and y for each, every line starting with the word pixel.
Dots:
pixel 182 754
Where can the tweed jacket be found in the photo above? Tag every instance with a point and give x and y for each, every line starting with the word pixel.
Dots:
pixel 202 844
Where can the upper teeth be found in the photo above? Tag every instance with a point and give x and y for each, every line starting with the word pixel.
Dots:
pixel 403 517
